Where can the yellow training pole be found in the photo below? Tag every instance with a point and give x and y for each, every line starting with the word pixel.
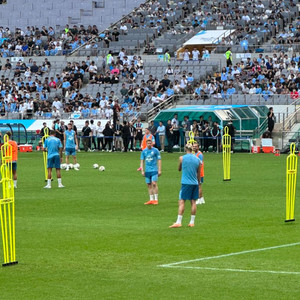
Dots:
pixel 45 154
pixel 291 177
pixel 7 208
pixel 192 138
pixel 226 143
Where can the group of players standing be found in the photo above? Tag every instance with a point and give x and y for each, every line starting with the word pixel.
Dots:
pixel 192 166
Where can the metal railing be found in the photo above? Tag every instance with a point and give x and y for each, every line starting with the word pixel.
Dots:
pixel 239 99
pixel 256 48
pixel 169 102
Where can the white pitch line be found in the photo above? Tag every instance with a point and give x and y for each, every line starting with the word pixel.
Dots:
pixel 237 270
pixel 228 254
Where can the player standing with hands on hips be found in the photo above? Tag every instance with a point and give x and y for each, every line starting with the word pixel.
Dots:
pixel 54 148
pixel 152 158
pixel 70 145
pixel 190 165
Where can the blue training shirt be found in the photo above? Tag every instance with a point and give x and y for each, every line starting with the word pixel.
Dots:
pixel 190 165
pixel 70 139
pixel 150 156
pixel 52 144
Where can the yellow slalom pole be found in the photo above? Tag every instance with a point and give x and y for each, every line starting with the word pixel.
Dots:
pixel 291 180
pixel 45 154
pixel 226 143
pixel 191 138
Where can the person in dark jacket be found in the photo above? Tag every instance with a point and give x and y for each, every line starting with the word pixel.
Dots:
pixel 125 135
pixel 108 136
pixel 231 132
pixel 169 134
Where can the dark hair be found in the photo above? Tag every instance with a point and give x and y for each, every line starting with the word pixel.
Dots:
pixel 52 132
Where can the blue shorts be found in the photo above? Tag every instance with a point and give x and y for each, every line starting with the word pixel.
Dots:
pixel 151 176
pixel 70 151
pixel 201 180
pixel 189 192
pixel 54 162
pixel 14 165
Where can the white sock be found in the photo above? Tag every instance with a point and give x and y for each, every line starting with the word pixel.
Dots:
pixel 59 180
pixel 15 183
pixel 151 197
pixel 156 197
pixel 49 182
pixel 179 219
pixel 192 219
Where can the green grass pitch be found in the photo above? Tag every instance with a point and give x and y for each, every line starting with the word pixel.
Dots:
pixel 96 239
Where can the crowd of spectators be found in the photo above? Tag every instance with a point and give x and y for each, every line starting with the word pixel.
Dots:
pixel 34 41
pixel 120 87
pixel 265 75
pixel 253 22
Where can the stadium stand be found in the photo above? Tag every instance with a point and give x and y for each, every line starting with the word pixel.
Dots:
pixel 23 13
pixel 149 82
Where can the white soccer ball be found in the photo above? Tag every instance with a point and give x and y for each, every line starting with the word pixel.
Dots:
pixel 77 166
pixel 95 166
pixel 101 168
pixel 71 166
pixel 63 166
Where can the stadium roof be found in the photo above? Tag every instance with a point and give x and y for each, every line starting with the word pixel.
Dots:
pixel 208 37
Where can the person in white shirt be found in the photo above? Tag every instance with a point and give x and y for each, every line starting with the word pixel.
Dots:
pixel 92 69
pixel 122 54
pixel 103 103
pixel 108 113
pixel 183 83
pixel 141 71
pixel 56 103
pixel 176 133
pixel 126 61
pixel 235 71
pixel 252 89
pixel 186 55
pixel 123 27
pixel 246 18
pixel 195 54
pixel 23 109
pixel 27 73
pixel 161 131
pixel 55 113
pixel 169 70
pixel 99 134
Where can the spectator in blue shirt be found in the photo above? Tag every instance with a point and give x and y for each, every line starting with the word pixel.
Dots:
pixel 231 90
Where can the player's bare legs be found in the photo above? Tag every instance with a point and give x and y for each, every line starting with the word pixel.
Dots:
pixel 155 191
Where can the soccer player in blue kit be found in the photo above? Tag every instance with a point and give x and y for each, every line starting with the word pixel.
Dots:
pixel 54 148
pixel 152 170
pixel 70 145
pixel 190 165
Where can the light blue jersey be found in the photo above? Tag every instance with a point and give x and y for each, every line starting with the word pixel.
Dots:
pixel 52 144
pixel 70 139
pixel 150 156
pixel 190 165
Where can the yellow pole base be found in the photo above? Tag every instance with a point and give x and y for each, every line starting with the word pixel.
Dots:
pixel 10 264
